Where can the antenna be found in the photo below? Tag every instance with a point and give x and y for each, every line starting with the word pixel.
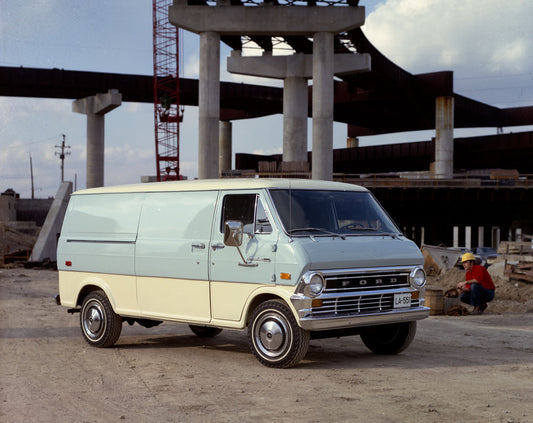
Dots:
pixel 62 153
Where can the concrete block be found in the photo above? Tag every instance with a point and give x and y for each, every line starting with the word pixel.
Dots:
pixel 46 244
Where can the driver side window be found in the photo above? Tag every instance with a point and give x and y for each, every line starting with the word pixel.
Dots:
pixel 248 209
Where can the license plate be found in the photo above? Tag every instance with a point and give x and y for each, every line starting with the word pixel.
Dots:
pixel 402 300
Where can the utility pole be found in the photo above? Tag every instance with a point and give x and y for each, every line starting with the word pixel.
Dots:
pixel 62 153
pixel 31 175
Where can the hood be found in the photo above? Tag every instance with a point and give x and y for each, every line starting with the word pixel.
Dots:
pixel 359 251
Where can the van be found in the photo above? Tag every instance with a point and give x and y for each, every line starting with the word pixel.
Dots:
pixel 286 260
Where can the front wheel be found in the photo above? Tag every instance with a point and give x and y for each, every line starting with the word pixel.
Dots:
pixel 389 339
pixel 274 336
pixel 100 325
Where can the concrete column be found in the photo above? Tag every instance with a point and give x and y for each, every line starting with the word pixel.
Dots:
pixel 481 236
pixel 323 106
pixel 95 107
pixel 224 160
pixel 468 237
pixel 295 70
pixel 444 110
pixel 456 236
pixel 209 106
pixel 495 236
pixel 295 119
pixel 95 150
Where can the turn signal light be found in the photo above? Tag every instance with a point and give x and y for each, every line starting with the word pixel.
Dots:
pixel 316 303
pixel 68 263
pixel 286 276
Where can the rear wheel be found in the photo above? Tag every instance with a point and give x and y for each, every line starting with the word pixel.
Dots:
pixel 205 331
pixel 100 325
pixel 274 336
pixel 389 339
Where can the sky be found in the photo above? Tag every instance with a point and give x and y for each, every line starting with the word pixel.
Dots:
pixel 488 44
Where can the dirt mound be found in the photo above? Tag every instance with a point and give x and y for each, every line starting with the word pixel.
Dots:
pixel 515 297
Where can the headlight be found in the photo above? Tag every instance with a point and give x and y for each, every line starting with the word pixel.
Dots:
pixel 314 284
pixel 417 278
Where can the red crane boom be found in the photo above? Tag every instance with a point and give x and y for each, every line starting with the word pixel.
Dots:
pixel 167 111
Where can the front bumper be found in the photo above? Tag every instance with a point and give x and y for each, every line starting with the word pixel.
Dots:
pixel 360 320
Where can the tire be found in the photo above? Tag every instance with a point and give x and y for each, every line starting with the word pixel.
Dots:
pixel 389 339
pixel 100 325
pixel 274 336
pixel 205 331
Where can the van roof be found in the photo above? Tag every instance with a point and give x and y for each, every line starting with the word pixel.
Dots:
pixel 216 184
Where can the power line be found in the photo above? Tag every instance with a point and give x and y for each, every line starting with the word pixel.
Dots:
pixel 17 145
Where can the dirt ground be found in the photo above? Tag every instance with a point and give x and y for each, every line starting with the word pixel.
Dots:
pixel 458 369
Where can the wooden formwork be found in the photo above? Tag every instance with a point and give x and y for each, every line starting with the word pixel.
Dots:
pixel 518 259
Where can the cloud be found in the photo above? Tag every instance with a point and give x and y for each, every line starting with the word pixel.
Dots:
pixel 476 36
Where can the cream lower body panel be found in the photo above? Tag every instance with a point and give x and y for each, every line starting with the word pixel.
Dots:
pixel 230 301
pixel 182 300
pixel 121 290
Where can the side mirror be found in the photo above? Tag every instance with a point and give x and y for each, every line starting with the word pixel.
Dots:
pixel 233 231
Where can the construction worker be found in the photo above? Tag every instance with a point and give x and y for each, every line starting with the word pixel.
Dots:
pixel 477 288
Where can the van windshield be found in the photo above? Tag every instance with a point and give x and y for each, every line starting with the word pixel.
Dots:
pixel 343 213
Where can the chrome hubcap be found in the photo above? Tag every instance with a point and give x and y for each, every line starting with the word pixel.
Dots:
pixel 94 320
pixel 272 335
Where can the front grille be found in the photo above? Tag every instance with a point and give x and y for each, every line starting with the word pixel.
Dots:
pixel 361 292
pixel 358 304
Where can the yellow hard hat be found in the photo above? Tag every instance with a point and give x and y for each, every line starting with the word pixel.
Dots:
pixel 468 257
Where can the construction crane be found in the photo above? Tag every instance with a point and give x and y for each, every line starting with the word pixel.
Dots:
pixel 168 113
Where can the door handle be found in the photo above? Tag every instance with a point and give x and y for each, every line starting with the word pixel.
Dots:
pixel 217 246
pixel 200 245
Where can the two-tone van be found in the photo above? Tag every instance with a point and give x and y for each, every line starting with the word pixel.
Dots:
pixel 286 260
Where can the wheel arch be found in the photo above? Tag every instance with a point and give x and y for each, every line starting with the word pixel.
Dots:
pixel 261 298
pixel 91 287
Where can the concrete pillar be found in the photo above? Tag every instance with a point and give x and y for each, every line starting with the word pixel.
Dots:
pixel 224 160
pixel 481 236
pixel 209 106
pixel 444 111
pixel 95 150
pixel 456 236
pixel 495 236
pixel 295 109
pixel 322 106
pixel 295 70
pixel 422 236
pixel 95 107
pixel 468 237
pixel 267 20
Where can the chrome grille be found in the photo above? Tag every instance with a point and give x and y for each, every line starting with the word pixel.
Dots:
pixel 363 291
pixel 340 306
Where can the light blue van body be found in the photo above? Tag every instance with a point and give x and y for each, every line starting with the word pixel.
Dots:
pixel 161 251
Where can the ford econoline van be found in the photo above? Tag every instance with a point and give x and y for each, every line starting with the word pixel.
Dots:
pixel 286 260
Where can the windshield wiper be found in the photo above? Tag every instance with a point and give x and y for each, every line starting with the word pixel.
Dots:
pixel 377 231
pixel 325 231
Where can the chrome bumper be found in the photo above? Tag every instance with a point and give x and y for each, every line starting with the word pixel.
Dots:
pixel 359 320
